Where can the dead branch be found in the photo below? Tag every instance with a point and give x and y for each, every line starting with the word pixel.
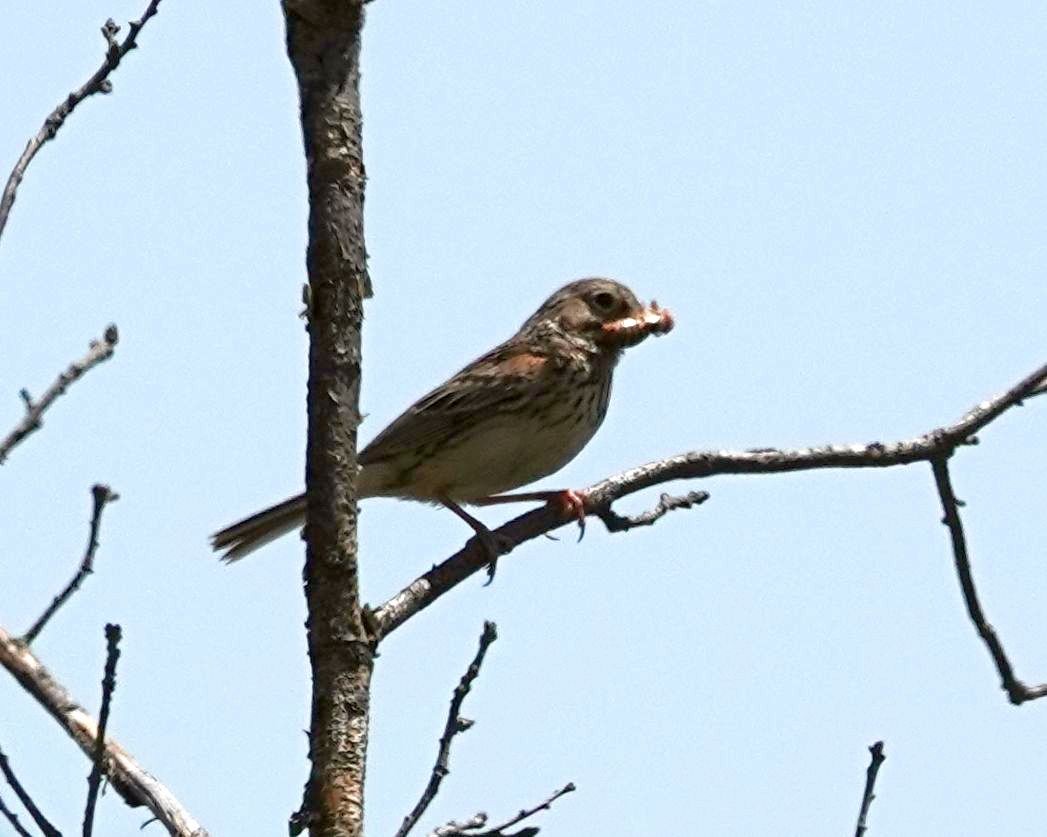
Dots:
pixel 94 779
pixel 877 758
pixel 100 350
pixel 454 725
pixel 12 818
pixel 41 821
pixel 134 784
pixel 666 503
pixel 935 444
pixel 102 495
pixel 1016 690
pixel 470 827
pixel 98 83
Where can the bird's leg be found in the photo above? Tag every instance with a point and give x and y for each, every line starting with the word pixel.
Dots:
pixel 568 502
pixel 494 545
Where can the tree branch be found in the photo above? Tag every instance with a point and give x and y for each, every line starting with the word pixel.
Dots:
pixel 323 45
pixel 935 444
pixel 102 495
pixel 94 779
pixel 666 503
pixel 877 758
pixel 100 350
pixel 1016 690
pixel 12 818
pixel 27 802
pixel 98 83
pixel 454 725
pixel 134 784
pixel 470 827
pixel 499 830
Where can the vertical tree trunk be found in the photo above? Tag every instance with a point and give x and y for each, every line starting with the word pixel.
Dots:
pixel 323 43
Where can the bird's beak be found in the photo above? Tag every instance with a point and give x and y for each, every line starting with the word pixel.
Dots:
pixel 641 324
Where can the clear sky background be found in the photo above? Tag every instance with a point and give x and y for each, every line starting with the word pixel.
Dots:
pixel 844 204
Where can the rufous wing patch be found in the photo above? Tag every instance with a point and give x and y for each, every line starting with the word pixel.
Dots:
pixel 525 364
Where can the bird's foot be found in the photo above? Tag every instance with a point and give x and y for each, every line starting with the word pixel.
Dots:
pixel 570 504
pixel 495 545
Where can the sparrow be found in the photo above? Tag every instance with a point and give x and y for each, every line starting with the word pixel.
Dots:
pixel 516 414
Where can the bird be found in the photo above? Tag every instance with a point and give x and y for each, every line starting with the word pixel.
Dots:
pixel 514 415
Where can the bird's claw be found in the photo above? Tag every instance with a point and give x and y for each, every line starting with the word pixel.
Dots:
pixel 495 545
pixel 571 504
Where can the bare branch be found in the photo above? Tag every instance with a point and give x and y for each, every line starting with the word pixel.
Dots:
pixel 427 588
pixel 454 725
pixel 1016 690
pixel 323 45
pixel 98 83
pixel 455 829
pixel 666 503
pixel 12 818
pixel 27 801
pixel 100 350
pixel 470 826
pixel 102 495
pixel 134 784
pixel 877 758
pixel 94 779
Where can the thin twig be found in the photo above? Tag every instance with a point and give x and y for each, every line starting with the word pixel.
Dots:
pixel 127 777
pixel 471 826
pixel 100 350
pixel 101 495
pixel 12 818
pixel 427 588
pixel 455 828
pixel 98 83
pixel 455 724
pixel 499 830
pixel 94 779
pixel 1016 690
pixel 666 503
pixel 877 758
pixel 27 801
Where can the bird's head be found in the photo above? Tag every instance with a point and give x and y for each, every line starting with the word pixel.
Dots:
pixel 602 312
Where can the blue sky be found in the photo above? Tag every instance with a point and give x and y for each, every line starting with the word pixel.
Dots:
pixel 844 206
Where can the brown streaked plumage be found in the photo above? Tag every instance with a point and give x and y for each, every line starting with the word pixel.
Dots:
pixel 517 414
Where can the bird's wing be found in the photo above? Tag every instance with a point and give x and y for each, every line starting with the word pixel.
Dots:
pixel 501 380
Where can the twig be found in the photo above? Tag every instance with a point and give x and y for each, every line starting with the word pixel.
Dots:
pixel 102 495
pixel 128 778
pixel 454 725
pixel 455 829
pixel 1016 690
pixel 876 752
pixel 27 801
pixel 428 587
pixel 499 830
pixel 94 779
pixel 98 83
pixel 666 503
pixel 101 350
pixel 12 818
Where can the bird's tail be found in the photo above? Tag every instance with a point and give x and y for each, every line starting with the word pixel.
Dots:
pixel 251 533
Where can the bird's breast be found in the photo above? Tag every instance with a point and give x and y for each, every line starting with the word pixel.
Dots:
pixel 507 450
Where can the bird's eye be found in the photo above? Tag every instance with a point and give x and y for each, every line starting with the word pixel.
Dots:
pixel 604 301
